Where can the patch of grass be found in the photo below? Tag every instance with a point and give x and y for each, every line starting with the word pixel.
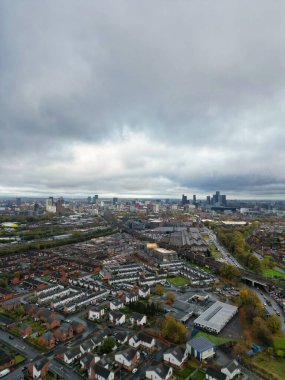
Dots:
pixel 199 376
pixel 192 363
pixel 177 281
pixel 19 358
pixel 279 344
pixel 214 251
pixel 269 364
pixel 215 339
pixel 272 273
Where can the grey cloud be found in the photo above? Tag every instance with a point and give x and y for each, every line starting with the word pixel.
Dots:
pixel 191 76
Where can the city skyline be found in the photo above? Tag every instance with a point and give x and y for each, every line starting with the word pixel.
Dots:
pixel 142 100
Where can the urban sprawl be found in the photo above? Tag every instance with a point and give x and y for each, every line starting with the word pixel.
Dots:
pixel 155 289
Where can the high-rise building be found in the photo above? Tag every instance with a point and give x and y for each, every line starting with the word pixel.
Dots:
pixel 184 200
pixel 223 200
pixel 49 201
pixel 194 199
pixel 18 201
pixel 115 201
pixel 89 200
pixel 95 198
pixel 208 200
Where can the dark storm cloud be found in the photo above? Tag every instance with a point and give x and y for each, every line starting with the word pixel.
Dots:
pixel 164 96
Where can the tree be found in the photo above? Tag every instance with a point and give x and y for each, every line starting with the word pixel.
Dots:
pixel 273 323
pixel 159 290
pixel 253 263
pixel 261 331
pixel 107 346
pixel 173 330
pixel 229 271
pixel 4 282
pixel 170 297
pixel 20 311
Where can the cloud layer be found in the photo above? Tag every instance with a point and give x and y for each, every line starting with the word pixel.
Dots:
pixel 142 98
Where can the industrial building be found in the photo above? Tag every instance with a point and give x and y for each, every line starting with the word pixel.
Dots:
pixel 215 318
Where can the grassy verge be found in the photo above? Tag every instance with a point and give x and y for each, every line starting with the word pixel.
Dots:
pixel 215 339
pixel 19 359
pixel 273 273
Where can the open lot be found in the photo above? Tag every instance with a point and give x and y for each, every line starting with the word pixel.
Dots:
pixel 270 364
pixel 178 281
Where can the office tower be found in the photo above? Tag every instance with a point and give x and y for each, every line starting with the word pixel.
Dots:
pixel 223 200
pixel 184 200
pixel 194 199
pixel 89 200
pixel 115 201
pixel 18 201
pixel 49 201
pixel 208 200
pixel 95 198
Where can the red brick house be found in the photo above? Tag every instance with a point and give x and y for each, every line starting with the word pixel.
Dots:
pixel 78 327
pixel 25 330
pixel 64 332
pixel 6 360
pixel 38 369
pixel 11 304
pixel 47 340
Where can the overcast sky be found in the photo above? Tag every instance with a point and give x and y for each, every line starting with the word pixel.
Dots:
pixel 142 98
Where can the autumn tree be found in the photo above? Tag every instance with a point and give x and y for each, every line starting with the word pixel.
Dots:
pixel 170 297
pixel 229 271
pixel 261 331
pixel 159 290
pixel 173 330
pixel 273 323
pixel 253 263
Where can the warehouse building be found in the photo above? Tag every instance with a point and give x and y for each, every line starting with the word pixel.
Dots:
pixel 215 318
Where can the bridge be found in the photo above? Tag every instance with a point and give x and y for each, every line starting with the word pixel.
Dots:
pixel 246 275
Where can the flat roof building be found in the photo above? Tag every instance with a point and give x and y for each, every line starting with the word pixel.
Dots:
pixel 215 318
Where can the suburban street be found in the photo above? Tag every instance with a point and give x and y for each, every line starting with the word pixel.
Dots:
pixel 226 255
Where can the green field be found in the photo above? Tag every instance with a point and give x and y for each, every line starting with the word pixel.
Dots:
pixel 177 281
pixel 272 273
pixel 214 339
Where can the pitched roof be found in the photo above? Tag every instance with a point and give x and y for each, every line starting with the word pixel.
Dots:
pixel 215 374
pixel 161 369
pixel 4 357
pixel 128 353
pixel 145 338
pixel 178 352
pixel 102 371
pixel 137 316
pixel 201 344
pixel 40 364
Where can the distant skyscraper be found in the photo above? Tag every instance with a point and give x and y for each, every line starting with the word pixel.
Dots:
pixel 18 201
pixel 223 200
pixel 194 199
pixel 115 201
pixel 49 201
pixel 184 200
pixel 89 200
pixel 208 200
pixel 95 198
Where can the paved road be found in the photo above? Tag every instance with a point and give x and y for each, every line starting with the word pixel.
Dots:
pixel 33 355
